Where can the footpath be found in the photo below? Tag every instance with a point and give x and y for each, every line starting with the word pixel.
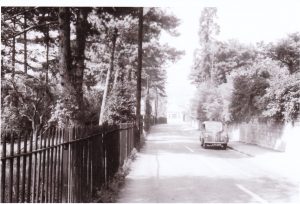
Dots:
pixel 284 163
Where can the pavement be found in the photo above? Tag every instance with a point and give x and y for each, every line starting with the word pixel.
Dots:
pixel 173 167
pixel 283 163
pixel 251 150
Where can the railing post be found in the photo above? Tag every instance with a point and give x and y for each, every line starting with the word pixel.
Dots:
pixel 65 164
pixel 29 183
pixel 120 146
pixel 11 168
pixel 126 142
pixel 3 165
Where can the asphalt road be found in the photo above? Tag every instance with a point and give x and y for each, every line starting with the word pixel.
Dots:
pixel 173 167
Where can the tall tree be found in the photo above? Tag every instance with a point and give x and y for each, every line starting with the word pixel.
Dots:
pixel 108 76
pixel 66 89
pixel 111 16
pixel 25 43
pixel 204 57
pixel 14 52
pixel 82 28
pixel 72 65
pixel 139 74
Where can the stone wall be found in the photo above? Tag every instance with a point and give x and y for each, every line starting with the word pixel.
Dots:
pixel 273 136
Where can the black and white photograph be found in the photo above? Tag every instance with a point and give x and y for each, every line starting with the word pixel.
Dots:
pixel 152 101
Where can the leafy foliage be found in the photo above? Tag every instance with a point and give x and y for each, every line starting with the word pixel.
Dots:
pixel 245 98
pixel 120 106
pixel 282 99
pixel 204 57
pixel 64 81
pixel 238 82
pixel 29 102
pixel 287 51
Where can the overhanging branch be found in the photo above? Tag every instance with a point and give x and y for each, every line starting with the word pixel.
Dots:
pixel 32 27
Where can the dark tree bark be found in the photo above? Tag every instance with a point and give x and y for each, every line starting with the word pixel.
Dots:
pixel 139 75
pixel 66 89
pixel 14 52
pixel 25 44
pixel 81 34
pixel 71 72
pixel 65 49
pixel 47 54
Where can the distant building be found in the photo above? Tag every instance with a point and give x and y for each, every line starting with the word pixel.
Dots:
pixel 175 113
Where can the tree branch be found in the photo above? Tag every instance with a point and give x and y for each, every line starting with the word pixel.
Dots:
pixel 28 117
pixel 35 69
pixel 32 27
pixel 20 13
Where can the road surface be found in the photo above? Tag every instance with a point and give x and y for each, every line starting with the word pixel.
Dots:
pixel 173 167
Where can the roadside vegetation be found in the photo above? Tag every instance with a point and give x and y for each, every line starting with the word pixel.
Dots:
pixel 239 83
pixel 79 66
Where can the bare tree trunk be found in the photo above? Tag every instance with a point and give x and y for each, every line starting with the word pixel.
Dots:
pixel 156 104
pixel 25 44
pixel 65 49
pixel 13 61
pixel 116 79
pixel 139 75
pixel 108 76
pixel 47 55
pixel 2 71
pixel 81 30
pixel 66 89
pixel 72 76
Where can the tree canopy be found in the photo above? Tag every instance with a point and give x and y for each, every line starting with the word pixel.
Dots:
pixel 238 82
pixel 56 62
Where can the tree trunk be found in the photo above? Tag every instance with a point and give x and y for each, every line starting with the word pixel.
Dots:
pixel 156 104
pixel 139 75
pixel 25 44
pixel 72 76
pixel 47 54
pixel 108 76
pixel 81 30
pixel 116 79
pixel 147 116
pixel 65 49
pixel 66 89
pixel 13 61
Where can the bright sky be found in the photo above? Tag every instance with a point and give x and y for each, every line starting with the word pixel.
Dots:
pixel 247 21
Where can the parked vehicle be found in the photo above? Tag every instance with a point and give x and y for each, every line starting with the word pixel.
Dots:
pixel 213 133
